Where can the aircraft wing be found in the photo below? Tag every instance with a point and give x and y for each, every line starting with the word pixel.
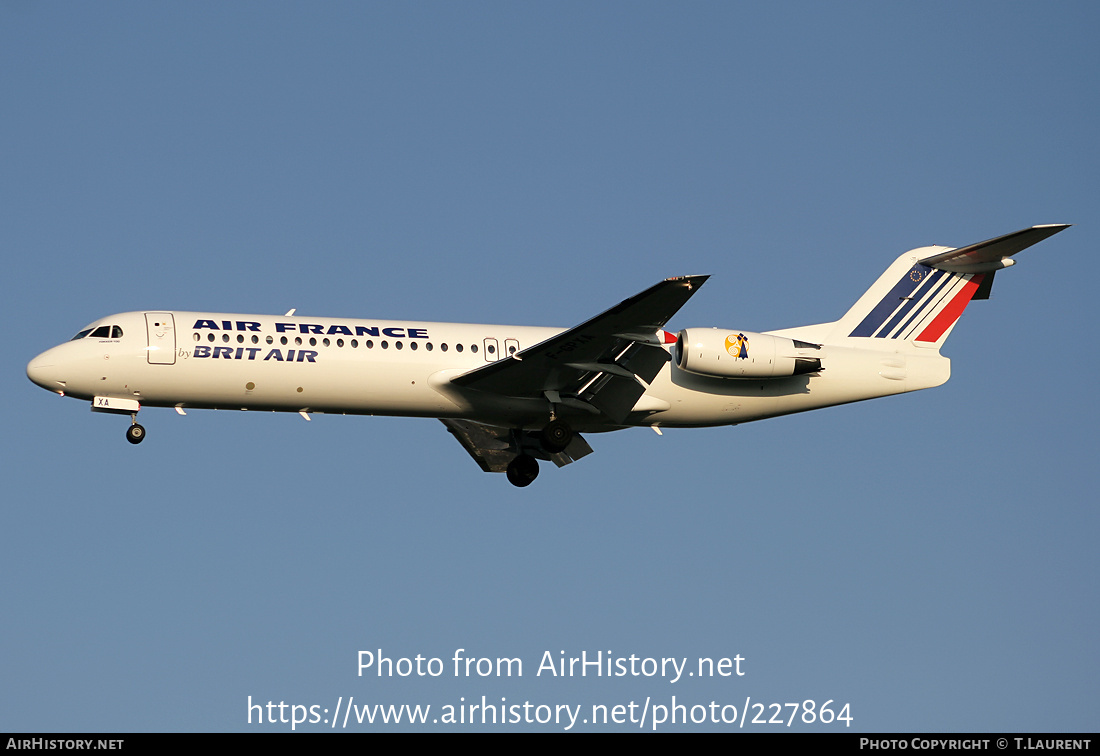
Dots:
pixel 600 365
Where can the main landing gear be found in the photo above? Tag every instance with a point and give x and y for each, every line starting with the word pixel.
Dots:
pixel 556 436
pixel 135 434
pixel 524 468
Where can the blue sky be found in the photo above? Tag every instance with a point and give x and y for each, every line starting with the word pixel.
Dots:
pixel 929 559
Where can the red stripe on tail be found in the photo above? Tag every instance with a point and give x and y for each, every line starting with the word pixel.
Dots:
pixel 948 315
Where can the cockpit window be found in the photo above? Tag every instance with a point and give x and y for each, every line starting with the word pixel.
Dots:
pixel 103 332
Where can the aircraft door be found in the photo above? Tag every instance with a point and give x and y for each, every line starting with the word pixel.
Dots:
pixel 492 351
pixel 161 328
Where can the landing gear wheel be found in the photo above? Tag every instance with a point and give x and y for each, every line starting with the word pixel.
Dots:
pixel 556 436
pixel 135 434
pixel 523 470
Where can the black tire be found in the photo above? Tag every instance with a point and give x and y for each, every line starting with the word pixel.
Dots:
pixel 135 434
pixel 556 436
pixel 523 470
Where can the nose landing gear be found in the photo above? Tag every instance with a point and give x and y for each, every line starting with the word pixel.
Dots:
pixel 135 434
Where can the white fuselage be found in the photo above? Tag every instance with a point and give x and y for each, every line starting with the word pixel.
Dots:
pixel 513 395
pixel 372 367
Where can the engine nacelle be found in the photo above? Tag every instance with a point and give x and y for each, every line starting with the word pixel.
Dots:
pixel 741 354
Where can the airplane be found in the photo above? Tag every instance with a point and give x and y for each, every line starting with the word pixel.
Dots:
pixel 513 395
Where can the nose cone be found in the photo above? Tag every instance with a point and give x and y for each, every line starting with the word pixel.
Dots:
pixel 45 371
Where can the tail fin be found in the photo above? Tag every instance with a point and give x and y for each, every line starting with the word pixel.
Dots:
pixel 921 296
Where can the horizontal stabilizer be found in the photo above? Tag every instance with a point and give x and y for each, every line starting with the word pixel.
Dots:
pixel 991 254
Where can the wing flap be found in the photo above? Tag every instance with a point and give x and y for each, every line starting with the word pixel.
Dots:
pixel 615 392
pixel 493 448
pixel 644 361
pixel 614 395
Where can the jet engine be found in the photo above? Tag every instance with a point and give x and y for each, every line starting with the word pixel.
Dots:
pixel 741 354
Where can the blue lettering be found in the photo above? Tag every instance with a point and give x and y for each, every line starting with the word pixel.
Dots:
pixel 253 326
pixel 223 352
pixel 305 354
pixel 202 351
pixel 252 352
pixel 274 354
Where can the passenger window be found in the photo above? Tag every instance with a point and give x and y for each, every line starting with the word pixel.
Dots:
pixel 209 337
pixel 240 338
pixel 270 340
pixel 196 335
pixel 369 344
pixel 412 345
pixel 397 345
pixel 428 346
pixel 312 341
pixel 443 346
pixel 473 348
pixel 458 347
pixel 282 340
pixel 385 345
pixel 225 337
pixel 339 342
pixel 255 339
pixel 354 343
